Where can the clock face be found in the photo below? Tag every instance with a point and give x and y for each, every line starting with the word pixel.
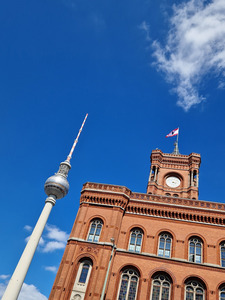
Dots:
pixel 173 181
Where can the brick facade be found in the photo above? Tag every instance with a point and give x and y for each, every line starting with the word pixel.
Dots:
pixel 155 213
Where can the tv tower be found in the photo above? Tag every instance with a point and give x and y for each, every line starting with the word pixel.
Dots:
pixel 56 187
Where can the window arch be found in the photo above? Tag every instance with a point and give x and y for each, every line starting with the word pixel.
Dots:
pixel 194 290
pixel 128 285
pixel 195 250
pixel 95 230
pixel 135 241
pixel 222 254
pixel 161 287
pixel 165 242
pixel 82 278
pixel 222 292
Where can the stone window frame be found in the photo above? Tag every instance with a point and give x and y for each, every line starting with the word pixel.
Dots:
pixel 222 260
pixel 79 288
pixel 195 285
pixel 198 241
pixel 162 278
pixel 138 231
pixel 95 221
pixel 158 248
pixel 130 272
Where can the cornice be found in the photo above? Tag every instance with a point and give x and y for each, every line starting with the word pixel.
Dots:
pixel 167 260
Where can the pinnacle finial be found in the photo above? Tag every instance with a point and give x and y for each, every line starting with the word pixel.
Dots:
pixel 176 150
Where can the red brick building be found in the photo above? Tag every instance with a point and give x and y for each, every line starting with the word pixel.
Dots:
pixel 167 243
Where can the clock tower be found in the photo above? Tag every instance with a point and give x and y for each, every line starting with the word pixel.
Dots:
pixel 174 174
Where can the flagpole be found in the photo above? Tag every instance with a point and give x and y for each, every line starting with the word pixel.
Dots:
pixel 178 135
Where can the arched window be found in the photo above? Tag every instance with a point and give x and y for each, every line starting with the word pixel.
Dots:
pixel 165 241
pixel 161 287
pixel 81 281
pixel 128 285
pixel 95 230
pixel 194 290
pixel 222 254
pixel 135 240
pixel 222 293
pixel 195 250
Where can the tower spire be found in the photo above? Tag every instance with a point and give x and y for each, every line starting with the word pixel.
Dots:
pixel 76 140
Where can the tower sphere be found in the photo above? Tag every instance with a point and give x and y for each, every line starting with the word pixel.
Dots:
pixel 57 185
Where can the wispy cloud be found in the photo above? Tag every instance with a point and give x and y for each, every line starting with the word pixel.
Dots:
pixel 28 228
pixel 4 277
pixel 195 46
pixel 146 28
pixel 28 292
pixel 53 239
pixel 52 269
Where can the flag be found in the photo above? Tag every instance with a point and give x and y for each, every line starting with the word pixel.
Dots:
pixel 173 132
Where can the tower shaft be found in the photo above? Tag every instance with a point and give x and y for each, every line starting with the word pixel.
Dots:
pixel 15 284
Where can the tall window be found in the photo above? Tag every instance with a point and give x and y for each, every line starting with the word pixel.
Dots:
pixel 81 281
pixel 195 250
pixel 128 285
pixel 84 272
pixel 222 293
pixel 222 254
pixel 135 240
pixel 161 287
pixel 194 290
pixel 95 230
pixel 165 241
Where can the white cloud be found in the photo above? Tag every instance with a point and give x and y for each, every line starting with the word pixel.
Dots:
pixel 146 28
pixel 4 277
pixel 195 46
pixel 28 292
pixel 52 269
pixel 54 233
pixel 52 246
pixel 54 239
pixel 28 228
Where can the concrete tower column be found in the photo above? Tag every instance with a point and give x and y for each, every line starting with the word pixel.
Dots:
pixel 15 284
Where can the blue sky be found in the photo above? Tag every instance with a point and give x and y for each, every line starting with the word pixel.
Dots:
pixel 140 69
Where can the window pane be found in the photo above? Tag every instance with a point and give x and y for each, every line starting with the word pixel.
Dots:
pixel 165 293
pixel 161 243
pixel 138 249
pixel 198 250
pixel 84 273
pixel 90 238
pixel 96 238
pixel 168 243
pixel 167 253
pixel 131 247
pixel 123 289
pixel 189 296
pixel 92 231
pixel 138 241
pixel 132 290
pixel 197 258
pixel 192 248
pixel 161 252
pixel 132 240
pixel 155 293
pixel 191 258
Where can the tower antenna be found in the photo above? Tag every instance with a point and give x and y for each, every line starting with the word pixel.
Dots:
pixel 76 140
